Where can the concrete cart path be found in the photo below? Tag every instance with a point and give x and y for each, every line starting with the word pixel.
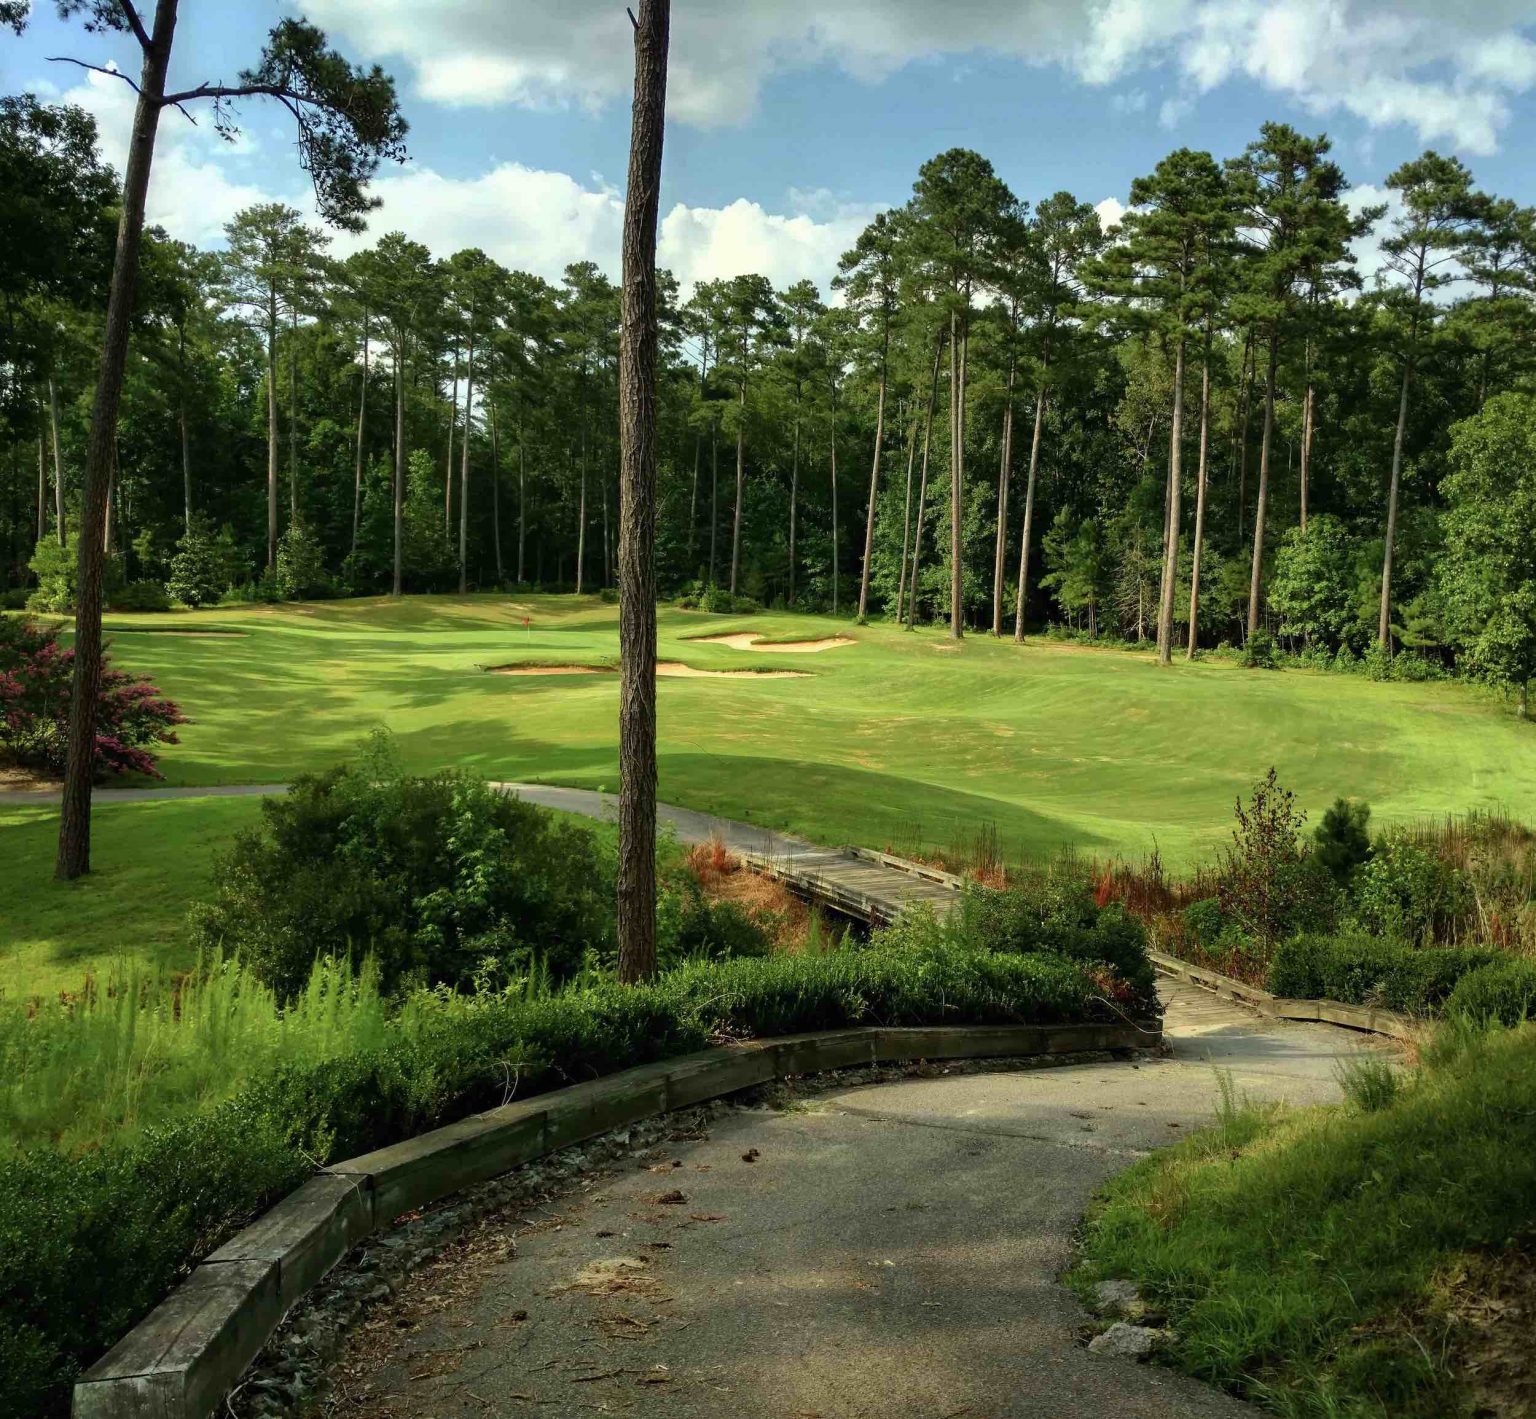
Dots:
pixel 857 886
pixel 888 1252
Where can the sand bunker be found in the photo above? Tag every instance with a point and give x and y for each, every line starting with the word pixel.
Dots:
pixel 667 669
pixel 750 640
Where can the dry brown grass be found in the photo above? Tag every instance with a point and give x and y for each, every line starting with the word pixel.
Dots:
pixel 724 878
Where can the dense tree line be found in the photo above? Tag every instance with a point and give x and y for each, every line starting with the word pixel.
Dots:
pixel 1198 426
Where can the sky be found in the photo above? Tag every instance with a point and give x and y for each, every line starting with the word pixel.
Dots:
pixel 791 122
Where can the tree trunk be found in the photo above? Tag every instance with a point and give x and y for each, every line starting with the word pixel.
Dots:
pixel 181 419
pixel 1256 582
pixel 1000 559
pixel 1171 531
pixel 400 462
pixel 1384 619
pixel 906 526
pixel 693 498
pixel 637 505
pixel 522 506
pixel 469 415
pixel 874 492
pixel 453 424
pixel 1307 416
pixel 58 460
pixel 1041 400
pixel 357 462
pixel 581 518
pixel 1201 480
pixel 1245 400
pixel 607 540
pixel 714 497
pixel 74 857
pixel 922 487
pixel 501 575
pixel 272 437
pixel 42 489
pixel 956 481
pixel 741 485
pixel 794 498
pixel 293 415
pixel 834 500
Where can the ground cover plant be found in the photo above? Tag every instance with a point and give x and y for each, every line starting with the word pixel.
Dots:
pixel 1382 1216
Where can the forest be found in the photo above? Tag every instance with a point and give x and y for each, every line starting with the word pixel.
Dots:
pixel 1203 425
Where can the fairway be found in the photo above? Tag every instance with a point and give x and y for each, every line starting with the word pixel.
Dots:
pixel 900 737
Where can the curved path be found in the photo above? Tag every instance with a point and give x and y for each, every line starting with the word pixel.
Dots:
pixel 889 1252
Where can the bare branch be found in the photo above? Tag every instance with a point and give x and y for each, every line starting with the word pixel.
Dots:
pixel 94 68
pixel 131 14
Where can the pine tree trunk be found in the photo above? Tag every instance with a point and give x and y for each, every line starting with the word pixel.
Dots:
pixel 501 575
pixel 741 485
pixel 181 419
pixel 58 460
pixel 693 498
pixel 1384 618
pixel 999 561
pixel 469 415
pixel 1022 601
pixel 637 505
pixel 834 500
pixel 400 462
pixel 1201 480
pixel 74 856
pixel 956 482
pixel 794 498
pixel 581 518
pixel 1171 530
pixel 293 415
pixel 922 487
pixel 1307 416
pixel 1256 581
pixel 1247 375
pixel 453 424
pixel 714 497
pixel 906 526
pixel 522 506
pixel 362 429
pixel 42 490
pixel 874 494
pixel 272 438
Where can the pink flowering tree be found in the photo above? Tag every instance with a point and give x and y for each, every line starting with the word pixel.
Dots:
pixel 35 671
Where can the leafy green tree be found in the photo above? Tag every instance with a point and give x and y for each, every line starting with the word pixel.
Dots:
pixel 1422 254
pixel 1488 573
pixel 195 578
pixel 1312 587
pixel 1077 566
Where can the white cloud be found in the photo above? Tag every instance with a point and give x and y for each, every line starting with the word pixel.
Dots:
pixel 1110 211
pixel 1445 70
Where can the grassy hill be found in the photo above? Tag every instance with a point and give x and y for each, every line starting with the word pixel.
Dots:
pixel 899 739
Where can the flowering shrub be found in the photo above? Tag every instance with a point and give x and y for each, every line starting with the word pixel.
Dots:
pixel 35 674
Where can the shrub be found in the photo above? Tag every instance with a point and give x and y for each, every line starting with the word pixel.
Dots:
pixel 1408 892
pixel 89 1244
pixel 54 567
pixel 1365 970
pixel 35 677
pixel 436 877
pixel 141 596
pixel 691 927
pixel 300 565
pixel 1342 841
pixel 715 599
pixel 1058 915
pixel 1259 652
pixel 1266 885
pixel 1502 991
pixel 196 574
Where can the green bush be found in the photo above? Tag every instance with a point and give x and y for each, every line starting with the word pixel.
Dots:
pixel 1205 922
pixel 1259 652
pixel 196 574
pixel 89 1244
pixel 301 565
pixel 1367 970
pixel 1503 991
pixel 691 927
pixel 1342 841
pixel 1057 914
pixel 140 596
pixel 54 567
pixel 1406 892
pixel 437 878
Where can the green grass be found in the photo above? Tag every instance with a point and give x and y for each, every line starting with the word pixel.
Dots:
pixel 1306 1258
pixel 901 739
pixel 149 862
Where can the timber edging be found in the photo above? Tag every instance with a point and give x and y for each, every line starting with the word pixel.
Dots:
pixel 190 1351
pixel 1279 1007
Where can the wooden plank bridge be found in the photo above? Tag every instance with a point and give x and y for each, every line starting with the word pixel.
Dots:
pixel 872 887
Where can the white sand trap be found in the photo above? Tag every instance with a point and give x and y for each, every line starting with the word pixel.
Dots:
pixel 751 640
pixel 676 670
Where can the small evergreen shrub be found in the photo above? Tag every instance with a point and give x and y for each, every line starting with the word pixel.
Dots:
pixel 1408 892
pixel 1366 970
pixel 1502 991
pixel 301 566
pixel 140 596
pixel 1259 652
pixel 1342 841
pixel 196 574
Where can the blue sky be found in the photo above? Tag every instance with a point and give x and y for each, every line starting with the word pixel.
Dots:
pixel 791 123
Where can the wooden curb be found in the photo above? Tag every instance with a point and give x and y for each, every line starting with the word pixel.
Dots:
pixel 190 1351
pixel 1278 1007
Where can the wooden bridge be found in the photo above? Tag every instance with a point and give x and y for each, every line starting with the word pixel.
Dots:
pixel 872 887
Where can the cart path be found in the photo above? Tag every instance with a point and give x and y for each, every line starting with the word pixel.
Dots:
pixel 857 886
pixel 891 1252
